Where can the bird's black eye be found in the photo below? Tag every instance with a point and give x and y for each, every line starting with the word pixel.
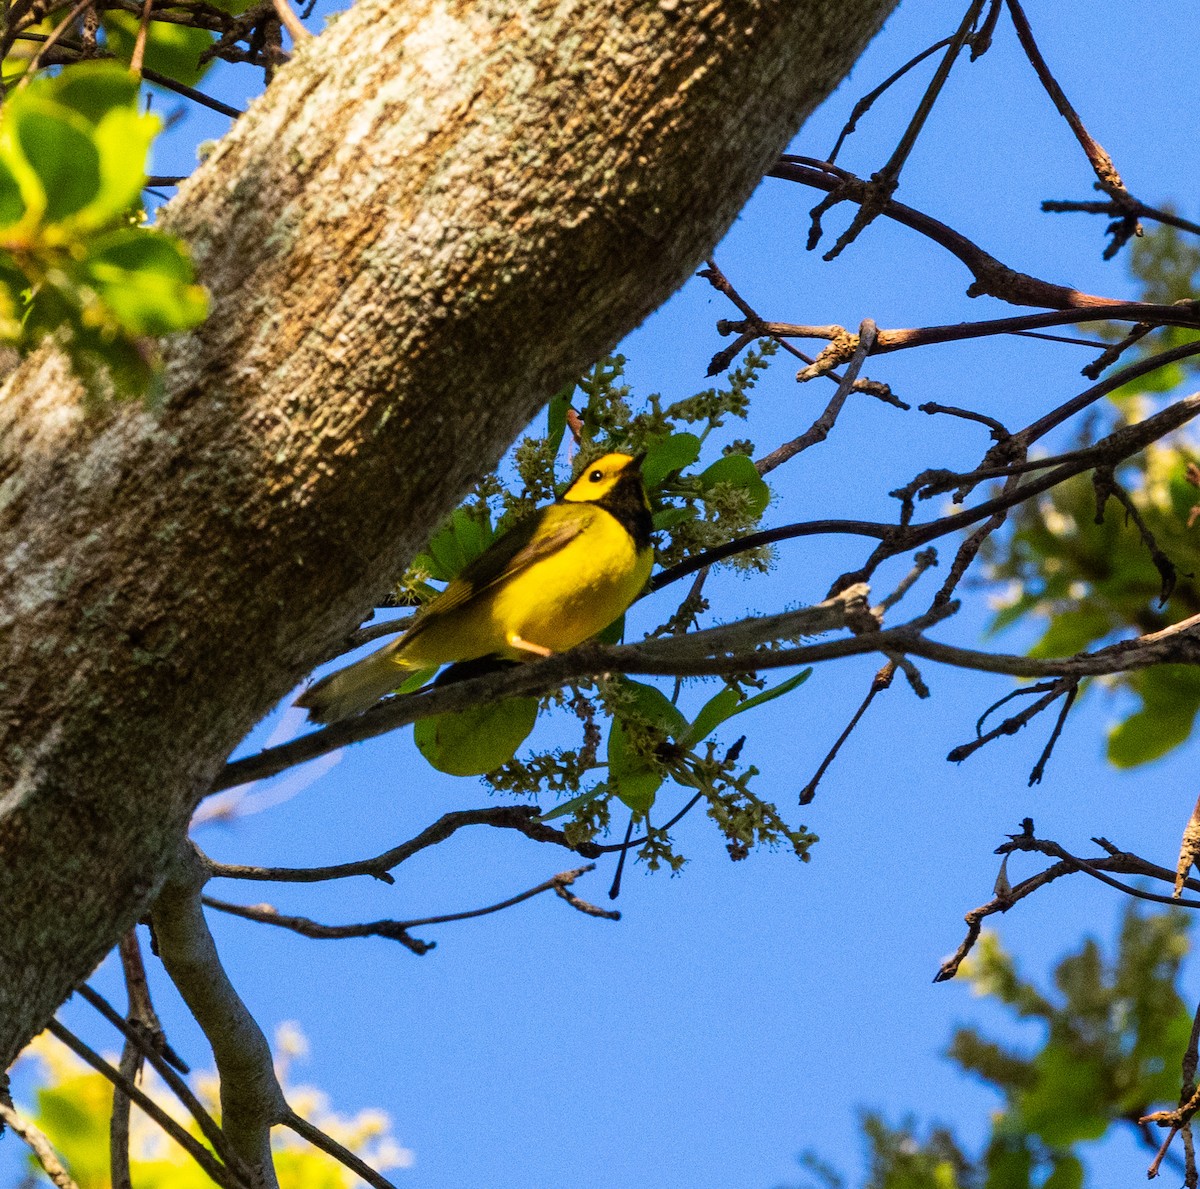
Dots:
pixel 596 476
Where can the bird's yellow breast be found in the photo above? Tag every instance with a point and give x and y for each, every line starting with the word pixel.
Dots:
pixel 555 603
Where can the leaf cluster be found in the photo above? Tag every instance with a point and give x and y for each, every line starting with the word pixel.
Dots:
pixel 73 1103
pixel 651 742
pixel 76 262
pixel 1113 1031
pixel 1080 562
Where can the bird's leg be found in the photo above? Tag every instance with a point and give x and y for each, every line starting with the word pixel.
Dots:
pixel 515 641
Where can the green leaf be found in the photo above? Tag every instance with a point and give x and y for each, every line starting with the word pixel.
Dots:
pixel 651 705
pixel 614 633
pixel 630 777
pixel 94 89
pixel 123 138
pixel 172 50
pixel 145 280
pixel 1067 1174
pixel 12 203
pixel 457 543
pixel 726 704
pixel 68 1113
pixel 415 681
pixel 571 805
pixel 667 455
pixel 1157 1069
pixel 556 417
pixel 477 740
pixel 1009 1165
pixel 712 714
pixel 769 695
pixel 671 516
pixel 1170 700
pixel 1072 631
pixel 738 471
pixel 57 144
pixel 1067 1103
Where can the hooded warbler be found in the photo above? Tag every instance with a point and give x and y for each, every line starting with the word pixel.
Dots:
pixel 547 584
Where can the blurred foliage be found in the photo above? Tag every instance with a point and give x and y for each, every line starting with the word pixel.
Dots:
pixel 699 500
pixel 1088 572
pixel 77 265
pixel 73 1104
pixel 1114 1031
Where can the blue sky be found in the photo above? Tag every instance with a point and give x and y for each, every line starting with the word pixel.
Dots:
pixel 740 1013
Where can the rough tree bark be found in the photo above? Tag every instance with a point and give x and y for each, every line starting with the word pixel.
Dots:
pixel 439 212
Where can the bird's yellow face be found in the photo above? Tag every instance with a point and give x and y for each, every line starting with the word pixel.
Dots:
pixel 601 477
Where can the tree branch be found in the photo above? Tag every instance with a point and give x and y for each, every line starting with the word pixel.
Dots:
pixel 251 1098
pixel 423 303
pixel 150 1050
pixel 889 341
pixel 42 1149
pixel 991 276
pixel 523 818
pixel 399 930
pixel 1068 864
pixel 327 1144
pixel 197 1151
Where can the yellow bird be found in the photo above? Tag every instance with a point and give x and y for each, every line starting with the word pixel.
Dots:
pixel 549 583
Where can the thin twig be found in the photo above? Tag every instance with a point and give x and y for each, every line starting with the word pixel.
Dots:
pixel 755 327
pixel 393 930
pixel 564 879
pixel 1137 207
pixel 49 42
pixel 1101 162
pixel 883 183
pixel 1010 726
pixel 330 1146
pixel 1112 353
pixel 991 277
pixel 820 429
pixel 1023 691
pixel 198 1152
pixel 767 536
pixel 866 102
pixel 523 818
pixel 1106 485
pixel 1067 864
pixel 265 914
pixel 881 681
pixel 612 847
pixel 165 81
pixel 37 1142
pixel 141 1014
pixel 1184 313
pixel 1039 769
pixel 291 22
pixel 923 559
pixel 149 1049
pixel 139 44
pixel 999 433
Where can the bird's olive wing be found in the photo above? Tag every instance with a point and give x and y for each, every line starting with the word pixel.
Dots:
pixel 537 537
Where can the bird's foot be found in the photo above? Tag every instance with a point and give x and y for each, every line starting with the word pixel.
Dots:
pixel 515 641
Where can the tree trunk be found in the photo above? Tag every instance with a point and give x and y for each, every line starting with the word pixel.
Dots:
pixel 440 212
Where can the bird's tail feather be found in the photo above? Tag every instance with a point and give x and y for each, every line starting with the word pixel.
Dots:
pixel 355 687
